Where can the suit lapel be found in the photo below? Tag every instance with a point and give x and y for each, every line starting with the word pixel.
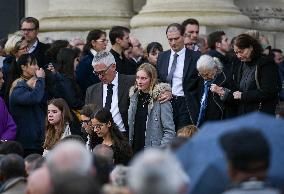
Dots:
pixel 120 89
pixel 100 95
pixel 166 63
pixel 187 61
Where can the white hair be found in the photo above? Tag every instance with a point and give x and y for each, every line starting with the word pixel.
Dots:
pixel 156 172
pixel 206 62
pixel 103 57
pixel 69 156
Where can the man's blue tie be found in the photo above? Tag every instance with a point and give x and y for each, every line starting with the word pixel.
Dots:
pixel 203 103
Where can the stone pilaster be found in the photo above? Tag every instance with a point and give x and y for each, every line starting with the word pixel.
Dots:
pixel 265 15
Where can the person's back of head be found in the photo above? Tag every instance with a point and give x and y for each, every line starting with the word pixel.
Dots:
pixel 31 161
pixel 72 183
pixel 157 172
pixel 248 154
pixel 69 156
pixel 11 147
pixel 12 166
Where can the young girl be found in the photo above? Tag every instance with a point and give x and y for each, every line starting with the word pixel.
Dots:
pixel 26 101
pixel 104 127
pixel 150 122
pixel 57 123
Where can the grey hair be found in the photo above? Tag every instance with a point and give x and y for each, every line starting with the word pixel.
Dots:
pixel 156 172
pixel 69 156
pixel 103 57
pixel 118 175
pixel 206 62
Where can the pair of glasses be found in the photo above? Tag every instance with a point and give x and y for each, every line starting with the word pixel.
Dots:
pixel 98 126
pixel 102 40
pixel 27 29
pixel 85 122
pixel 103 72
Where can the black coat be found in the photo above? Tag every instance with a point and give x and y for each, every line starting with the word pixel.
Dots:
pixel 265 97
pixel 39 54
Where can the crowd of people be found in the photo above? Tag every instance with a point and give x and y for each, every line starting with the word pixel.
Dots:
pixel 72 111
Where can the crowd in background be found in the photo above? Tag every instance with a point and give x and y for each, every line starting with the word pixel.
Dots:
pixel 71 111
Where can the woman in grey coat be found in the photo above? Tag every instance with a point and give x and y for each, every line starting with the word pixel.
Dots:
pixel 150 122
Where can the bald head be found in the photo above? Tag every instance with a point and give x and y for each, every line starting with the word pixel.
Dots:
pixel 137 50
pixel 39 182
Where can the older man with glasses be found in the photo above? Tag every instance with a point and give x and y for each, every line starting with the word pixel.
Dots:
pixel 112 91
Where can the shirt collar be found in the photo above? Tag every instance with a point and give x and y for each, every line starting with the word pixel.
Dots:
pixel 32 48
pixel 93 51
pixel 182 51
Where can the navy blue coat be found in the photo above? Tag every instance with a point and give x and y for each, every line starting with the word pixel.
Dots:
pixel 28 113
pixel 84 73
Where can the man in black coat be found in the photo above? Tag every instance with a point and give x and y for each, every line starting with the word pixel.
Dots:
pixel 30 29
pixel 177 67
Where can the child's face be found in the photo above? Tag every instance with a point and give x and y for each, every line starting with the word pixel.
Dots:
pixel 54 115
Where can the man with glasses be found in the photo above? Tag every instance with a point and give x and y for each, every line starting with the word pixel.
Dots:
pixel 112 91
pixel 30 29
pixel 191 34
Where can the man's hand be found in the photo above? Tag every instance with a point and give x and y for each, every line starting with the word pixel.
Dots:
pixel 165 96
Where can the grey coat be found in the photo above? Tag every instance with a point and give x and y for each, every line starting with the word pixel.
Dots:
pixel 160 127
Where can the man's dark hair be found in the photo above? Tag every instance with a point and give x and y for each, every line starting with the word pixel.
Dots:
pixel 191 21
pixel 11 166
pixel 277 50
pixel 31 20
pixel 215 37
pixel 117 32
pixel 246 149
pixel 178 26
pixel 11 147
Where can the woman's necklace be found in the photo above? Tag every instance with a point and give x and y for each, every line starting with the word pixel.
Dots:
pixel 144 99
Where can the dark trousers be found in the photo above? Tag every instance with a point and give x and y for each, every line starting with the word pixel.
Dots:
pixel 180 112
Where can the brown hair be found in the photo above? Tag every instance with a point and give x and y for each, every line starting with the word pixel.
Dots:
pixel 52 136
pixel 187 131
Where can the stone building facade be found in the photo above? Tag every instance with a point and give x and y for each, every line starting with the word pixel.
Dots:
pixel 66 19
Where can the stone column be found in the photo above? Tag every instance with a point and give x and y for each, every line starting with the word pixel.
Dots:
pixel 69 17
pixel 212 15
pixel 267 17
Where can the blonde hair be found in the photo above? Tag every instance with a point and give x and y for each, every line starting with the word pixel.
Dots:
pixel 187 131
pixel 151 72
pixel 13 43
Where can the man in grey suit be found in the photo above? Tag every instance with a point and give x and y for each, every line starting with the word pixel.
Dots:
pixel 112 91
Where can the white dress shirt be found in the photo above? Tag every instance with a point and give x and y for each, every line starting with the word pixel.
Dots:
pixel 114 103
pixel 33 47
pixel 177 80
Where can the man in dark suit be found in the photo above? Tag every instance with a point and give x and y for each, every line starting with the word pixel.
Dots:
pixel 30 29
pixel 177 66
pixel 112 91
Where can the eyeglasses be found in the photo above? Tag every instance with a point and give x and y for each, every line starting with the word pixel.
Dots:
pixel 23 48
pixel 103 72
pixel 102 40
pixel 98 126
pixel 27 29
pixel 85 122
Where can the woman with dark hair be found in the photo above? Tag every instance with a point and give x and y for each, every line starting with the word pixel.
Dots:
pixel 257 78
pixel 66 86
pixel 26 104
pixel 153 49
pixel 96 42
pixel 105 127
